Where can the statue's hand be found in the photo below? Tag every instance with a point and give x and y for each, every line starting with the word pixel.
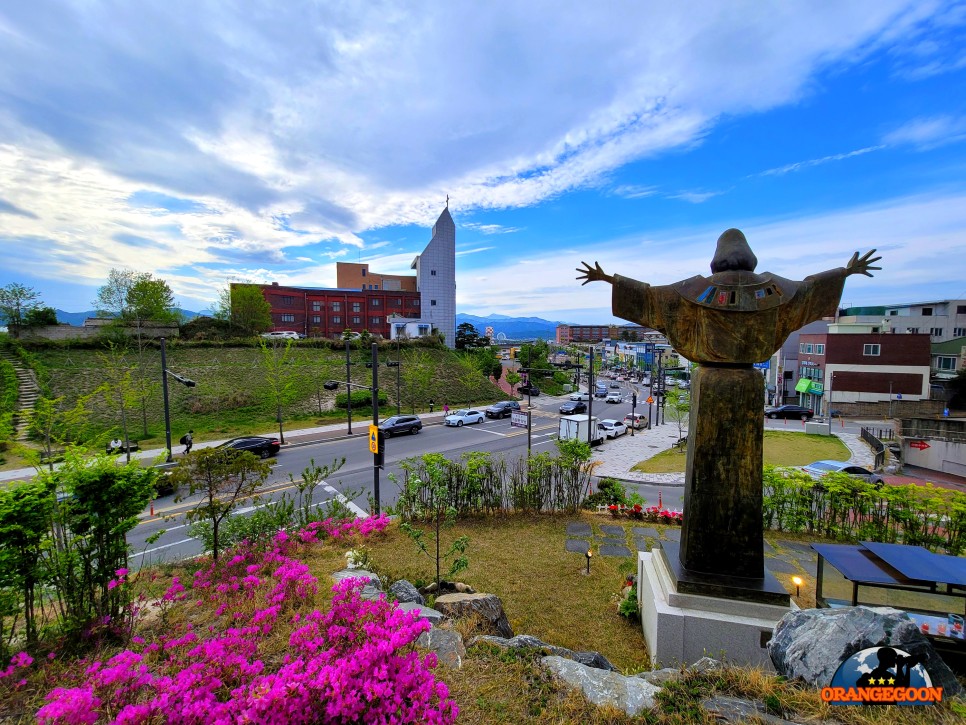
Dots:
pixel 593 274
pixel 862 265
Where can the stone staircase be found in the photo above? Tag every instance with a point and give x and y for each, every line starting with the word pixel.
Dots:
pixel 27 393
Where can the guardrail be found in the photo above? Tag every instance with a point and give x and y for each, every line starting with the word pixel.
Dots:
pixel 878 447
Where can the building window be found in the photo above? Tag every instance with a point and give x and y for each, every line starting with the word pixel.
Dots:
pixel 945 363
pixel 363 271
pixel 316 319
pixel 893 313
pixel 374 302
pixel 336 306
pixel 288 318
pixel 961 309
pixel 912 330
pixel 927 311
pixel 432 303
pixel 415 303
pixel 316 307
pixel 287 300
pixel 808 348
pixel 375 286
pixel 432 273
pixel 870 349
pixel 959 332
pixel 399 301
pixel 375 320
pixel 356 320
pixel 936 331
pixel 820 349
pixel 337 320
pixel 801 347
pixel 356 307
pixel 423 330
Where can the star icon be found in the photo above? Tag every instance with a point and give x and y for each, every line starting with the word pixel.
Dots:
pixel 892 680
pixel 882 680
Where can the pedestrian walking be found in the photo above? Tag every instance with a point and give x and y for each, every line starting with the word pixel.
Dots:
pixel 187 441
pixel 445 409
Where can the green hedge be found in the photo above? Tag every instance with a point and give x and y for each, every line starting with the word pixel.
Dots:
pixel 844 508
pixel 360 399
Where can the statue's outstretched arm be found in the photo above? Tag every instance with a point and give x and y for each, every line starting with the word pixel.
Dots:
pixel 862 265
pixel 593 274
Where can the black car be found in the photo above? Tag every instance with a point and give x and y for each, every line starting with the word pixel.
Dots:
pixel 401 424
pixel 528 389
pixel 573 407
pixel 259 445
pixel 789 411
pixel 501 409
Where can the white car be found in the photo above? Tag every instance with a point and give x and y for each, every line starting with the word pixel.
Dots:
pixel 282 335
pixel 612 428
pixel 465 416
pixel 614 397
pixel 580 395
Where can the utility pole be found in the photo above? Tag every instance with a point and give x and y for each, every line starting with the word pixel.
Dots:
pixel 590 399
pixel 377 458
pixel 348 386
pixel 167 415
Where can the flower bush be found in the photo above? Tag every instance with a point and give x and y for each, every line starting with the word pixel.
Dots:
pixel 652 514
pixel 354 663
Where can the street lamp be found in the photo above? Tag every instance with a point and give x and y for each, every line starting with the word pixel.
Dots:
pixel 376 441
pixel 164 387
pixel 348 391
pixel 797 581
pixel 395 364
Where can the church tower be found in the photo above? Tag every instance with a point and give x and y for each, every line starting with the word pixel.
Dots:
pixel 436 278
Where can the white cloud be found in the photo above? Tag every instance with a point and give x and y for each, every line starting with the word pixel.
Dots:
pixel 928 133
pixel 799 165
pixel 695 197
pixel 490 228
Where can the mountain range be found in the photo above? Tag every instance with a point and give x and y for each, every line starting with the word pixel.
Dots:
pixel 514 328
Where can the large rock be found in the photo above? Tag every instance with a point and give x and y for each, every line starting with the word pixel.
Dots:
pixel 447 644
pixel 373 586
pixel 630 694
pixel 810 644
pixel 429 614
pixel 737 710
pixel 590 659
pixel 487 607
pixel 403 591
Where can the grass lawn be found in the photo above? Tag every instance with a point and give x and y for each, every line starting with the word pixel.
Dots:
pixel 782 448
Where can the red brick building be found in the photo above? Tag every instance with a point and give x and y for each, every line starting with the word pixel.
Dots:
pixel 848 369
pixel 567 334
pixel 329 312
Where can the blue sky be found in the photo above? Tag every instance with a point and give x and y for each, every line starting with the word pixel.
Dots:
pixel 208 142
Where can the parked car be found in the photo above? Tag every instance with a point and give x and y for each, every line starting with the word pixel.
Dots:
pixel 281 335
pixel 614 397
pixel 635 420
pixel 464 416
pixel 789 411
pixel 259 445
pixel 612 428
pixel 528 389
pixel 401 424
pixel 819 468
pixel 573 407
pixel 580 395
pixel 503 409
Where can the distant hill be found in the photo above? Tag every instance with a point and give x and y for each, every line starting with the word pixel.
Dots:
pixel 515 328
pixel 77 318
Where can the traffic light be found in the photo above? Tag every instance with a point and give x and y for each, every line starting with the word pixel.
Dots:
pixel 380 457
pixel 634 399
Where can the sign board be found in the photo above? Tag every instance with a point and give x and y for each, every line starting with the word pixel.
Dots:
pixel 808 364
pixel 816 387
pixel 803 385
pixel 921 445
pixel 763 365
pixel 518 419
pixel 650 400
pixel 374 438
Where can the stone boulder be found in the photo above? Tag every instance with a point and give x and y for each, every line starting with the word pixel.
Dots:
pixel 590 659
pixel 373 587
pixel 737 710
pixel 630 694
pixel 810 644
pixel 447 644
pixel 432 616
pixel 487 607
pixel 403 591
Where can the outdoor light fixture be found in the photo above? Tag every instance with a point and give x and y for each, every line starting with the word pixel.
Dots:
pixel 797 581
pixel 589 554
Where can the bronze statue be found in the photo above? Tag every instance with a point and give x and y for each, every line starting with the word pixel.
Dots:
pixel 726 322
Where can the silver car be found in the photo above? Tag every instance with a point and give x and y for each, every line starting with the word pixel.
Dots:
pixel 819 468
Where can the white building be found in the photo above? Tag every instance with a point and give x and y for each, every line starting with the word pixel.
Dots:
pixel 436 284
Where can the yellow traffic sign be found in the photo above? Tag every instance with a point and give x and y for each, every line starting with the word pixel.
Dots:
pixel 374 438
pixel 650 399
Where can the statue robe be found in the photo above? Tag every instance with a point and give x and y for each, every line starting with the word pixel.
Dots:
pixel 732 317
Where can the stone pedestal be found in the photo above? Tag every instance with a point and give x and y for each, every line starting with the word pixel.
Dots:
pixel 680 628
pixel 722 531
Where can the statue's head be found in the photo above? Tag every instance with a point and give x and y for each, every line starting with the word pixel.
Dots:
pixel 733 253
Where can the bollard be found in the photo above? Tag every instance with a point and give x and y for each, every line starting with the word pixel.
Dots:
pixel 660 503
pixel 152 508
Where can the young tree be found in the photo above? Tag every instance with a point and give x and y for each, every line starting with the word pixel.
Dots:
pixel 16 302
pixel 469 338
pixel 119 389
pixel 417 375
pixel 276 362
pixel 677 406
pixel 224 477
pixel 40 317
pixel 150 300
pixel 56 423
